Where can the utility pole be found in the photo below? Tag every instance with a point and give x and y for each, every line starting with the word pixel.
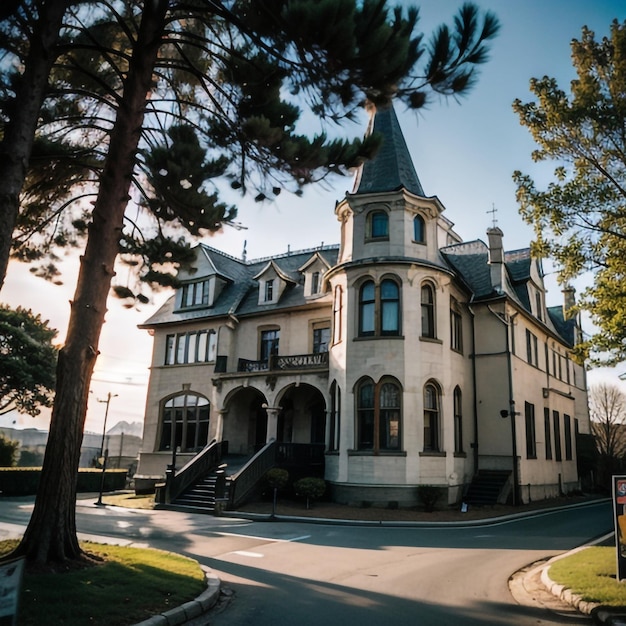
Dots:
pixel 104 454
pixel 109 397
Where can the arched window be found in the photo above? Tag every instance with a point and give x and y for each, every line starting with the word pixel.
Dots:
pixel 337 311
pixel 390 307
pixel 419 229
pixel 185 423
pixel 379 308
pixel 335 417
pixel 365 415
pixel 432 415
pixel 428 311
pixel 378 225
pixel 367 308
pixel 458 420
pixel 379 415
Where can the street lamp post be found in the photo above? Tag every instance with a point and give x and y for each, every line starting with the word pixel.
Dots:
pixel 104 454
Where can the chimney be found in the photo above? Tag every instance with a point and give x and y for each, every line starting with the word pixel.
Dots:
pixel 496 258
pixel 569 300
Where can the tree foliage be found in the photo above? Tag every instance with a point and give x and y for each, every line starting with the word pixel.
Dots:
pixel 27 361
pixel 231 80
pixel 580 218
pixel 8 451
pixel 156 82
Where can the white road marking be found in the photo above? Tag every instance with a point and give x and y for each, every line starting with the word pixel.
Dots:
pixel 256 555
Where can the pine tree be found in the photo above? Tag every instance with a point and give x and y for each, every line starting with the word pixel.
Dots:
pixel 231 77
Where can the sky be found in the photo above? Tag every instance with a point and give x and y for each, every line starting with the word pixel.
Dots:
pixel 464 151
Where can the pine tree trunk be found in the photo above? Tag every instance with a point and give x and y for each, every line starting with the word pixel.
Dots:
pixel 17 144
pixel 51 533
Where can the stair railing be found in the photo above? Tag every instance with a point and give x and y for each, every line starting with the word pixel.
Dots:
pixel 247 478
pixel 207 460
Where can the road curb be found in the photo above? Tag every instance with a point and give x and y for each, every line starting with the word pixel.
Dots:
pixel 192 609
pixel 267 517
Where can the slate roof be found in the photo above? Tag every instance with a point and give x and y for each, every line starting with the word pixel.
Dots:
pixel 392 168
pixel 469 260
pixel 565 328
pixel 240 296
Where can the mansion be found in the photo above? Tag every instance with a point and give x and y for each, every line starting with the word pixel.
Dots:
pixel 406 355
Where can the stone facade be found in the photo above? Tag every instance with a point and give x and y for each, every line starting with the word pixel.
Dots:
pixel 398 351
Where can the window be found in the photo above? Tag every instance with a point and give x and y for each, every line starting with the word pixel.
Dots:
pixel 269 290
pixel 185 423
pixel 428 311
pixel 198 346
pixel 567 431
pixel 557 435
pixel 379 308
pixel 337 308
pixel 378 415
pixel 458 420
pixel 367 308
pixel 269 344
pixel 195 294
pixel 539 304
pixel 378 225
pixel 531 349
pixel 431 418
pixel 419 229
pixel 547 433
pixel 315 282
pixel 321 338
pixel 531 441
pixel 390 307
pixel 456 327
pixel 335 417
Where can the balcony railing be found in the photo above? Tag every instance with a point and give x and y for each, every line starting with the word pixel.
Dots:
pixel 277 362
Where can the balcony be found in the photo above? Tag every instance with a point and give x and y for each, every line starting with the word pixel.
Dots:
pixel 279 363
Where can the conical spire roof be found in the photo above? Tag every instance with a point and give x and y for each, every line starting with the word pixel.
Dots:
pixel 392 168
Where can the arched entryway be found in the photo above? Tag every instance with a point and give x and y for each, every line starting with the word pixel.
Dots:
pixel 302 416
pixel 245 421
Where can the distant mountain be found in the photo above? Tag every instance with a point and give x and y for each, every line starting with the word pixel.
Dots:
pixel 128 428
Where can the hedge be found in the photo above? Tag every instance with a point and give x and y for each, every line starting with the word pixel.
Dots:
pixel 23 481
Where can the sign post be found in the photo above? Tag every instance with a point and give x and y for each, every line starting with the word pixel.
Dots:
pixel 619 509
pixel 10 586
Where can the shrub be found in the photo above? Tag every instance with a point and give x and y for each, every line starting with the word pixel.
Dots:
pixel 311 488
pixel 277 478
pixel 428 495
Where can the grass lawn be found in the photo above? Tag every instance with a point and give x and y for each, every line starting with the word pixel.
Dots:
pixel 127 586
pixel 590 574
pixel 129 500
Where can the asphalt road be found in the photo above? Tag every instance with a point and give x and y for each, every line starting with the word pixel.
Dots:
pixel 301 574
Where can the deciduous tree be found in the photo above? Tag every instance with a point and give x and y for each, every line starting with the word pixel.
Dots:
pixel 607 407
pixel 28 359
pixel 580 218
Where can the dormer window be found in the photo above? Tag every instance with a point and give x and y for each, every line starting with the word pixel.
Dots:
pixel 269 290
pixel 419 229
pixel 539 304
pixel 195 294
pixel 315 283
pixel 378 225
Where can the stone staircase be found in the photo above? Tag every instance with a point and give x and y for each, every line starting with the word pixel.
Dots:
pixel 207 493
pixel 488 487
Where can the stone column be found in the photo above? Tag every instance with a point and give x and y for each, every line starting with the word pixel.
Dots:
pixel 272 423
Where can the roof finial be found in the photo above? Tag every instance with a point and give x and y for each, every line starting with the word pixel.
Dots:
pixel 493 215
pixel 244 252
